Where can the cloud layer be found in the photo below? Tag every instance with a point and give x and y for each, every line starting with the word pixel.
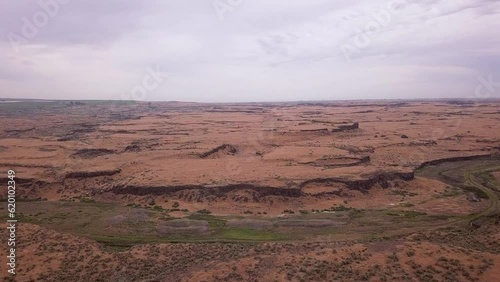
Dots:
pixel 237 50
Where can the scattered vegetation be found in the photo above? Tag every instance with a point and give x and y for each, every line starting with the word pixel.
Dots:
pixel 403 193
pixel 86 200
pixel 204 211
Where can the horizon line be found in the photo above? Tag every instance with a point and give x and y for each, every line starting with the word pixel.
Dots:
pixel 244 102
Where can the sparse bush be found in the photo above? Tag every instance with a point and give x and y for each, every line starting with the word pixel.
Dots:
pixel 339 208
pixel 86 200
pixel 410 252
pixel 204 211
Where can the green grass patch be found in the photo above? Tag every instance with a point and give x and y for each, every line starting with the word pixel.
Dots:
pixel 213 222
pixel 204 211
pixel 252 234
pixel 408 214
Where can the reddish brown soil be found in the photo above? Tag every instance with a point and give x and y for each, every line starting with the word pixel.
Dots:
pixel 45 255
pixel 496 174
pixel 260 157
pixel 96 149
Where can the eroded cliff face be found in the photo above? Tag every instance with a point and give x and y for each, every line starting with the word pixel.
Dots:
pixel 285 150
pixel 102 182
pixel 456 159
pixel 99 182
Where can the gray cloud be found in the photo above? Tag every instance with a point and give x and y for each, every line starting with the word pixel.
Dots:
pixel 261 50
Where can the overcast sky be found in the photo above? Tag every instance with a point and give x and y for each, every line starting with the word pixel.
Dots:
pixel 247 50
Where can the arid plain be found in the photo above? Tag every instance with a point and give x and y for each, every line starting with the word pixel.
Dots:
pixel 316 191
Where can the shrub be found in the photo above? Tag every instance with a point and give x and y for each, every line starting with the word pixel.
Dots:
pixel 204 211
pixel 86 200
pixel 410 252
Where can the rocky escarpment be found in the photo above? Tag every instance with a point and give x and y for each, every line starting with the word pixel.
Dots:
pixel 225 149
pixel 341 128
pixel 453 159
pixel 320 130
pixel 338 162
pixel 22 186
pixel 89 174
pixel 23 181
pixel 365 184
pixel 217 191
pixel 253 192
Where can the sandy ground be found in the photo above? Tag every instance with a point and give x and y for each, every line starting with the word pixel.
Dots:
pixel 89 149
pixel 273 144
pixel 496 174
pixel 264 158
pixel 45 255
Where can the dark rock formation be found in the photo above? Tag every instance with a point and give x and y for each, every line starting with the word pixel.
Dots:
pixel 261 191
pixel 339 162
pixel 365 184
pixel 321 130
pixel 89 174
pixel 133 148
pixel 423 143
pixel 453 159
pixel 228 149
pixel 217 191
pixel 341 128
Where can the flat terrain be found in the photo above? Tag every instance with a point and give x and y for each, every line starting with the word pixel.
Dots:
pixel 318 191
